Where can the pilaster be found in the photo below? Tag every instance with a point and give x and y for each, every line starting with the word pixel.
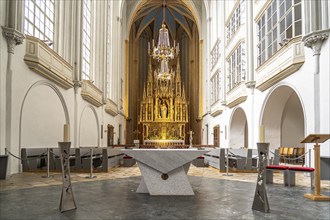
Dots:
pixel 13 37
pixel 314 40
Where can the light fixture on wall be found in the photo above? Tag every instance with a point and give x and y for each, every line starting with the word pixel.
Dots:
pixel 163 51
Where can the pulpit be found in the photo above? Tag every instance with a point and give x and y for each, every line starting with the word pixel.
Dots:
pixel 316 138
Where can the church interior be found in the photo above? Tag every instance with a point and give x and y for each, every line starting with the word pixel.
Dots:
pixel 164 109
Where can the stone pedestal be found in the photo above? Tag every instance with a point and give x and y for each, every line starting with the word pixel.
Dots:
pixel 164 171
pixel 260 201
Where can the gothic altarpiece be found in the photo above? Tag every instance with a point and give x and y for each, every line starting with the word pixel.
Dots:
pixel 164 110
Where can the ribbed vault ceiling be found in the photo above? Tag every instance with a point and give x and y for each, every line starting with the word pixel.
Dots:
pixel 151 14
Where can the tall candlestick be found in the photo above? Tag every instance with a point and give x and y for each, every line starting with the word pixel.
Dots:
pixel 66 133
pixel 262 134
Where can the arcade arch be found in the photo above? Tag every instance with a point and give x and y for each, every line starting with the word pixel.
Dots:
pixel 283 118
pixel 238 130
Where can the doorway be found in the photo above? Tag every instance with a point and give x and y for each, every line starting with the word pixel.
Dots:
pixel 110 135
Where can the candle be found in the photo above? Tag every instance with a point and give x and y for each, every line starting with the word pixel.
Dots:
pixel 261 134
pixel 66 133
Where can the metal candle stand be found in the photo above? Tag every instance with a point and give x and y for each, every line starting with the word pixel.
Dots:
pixel 67 201
pixel 48 161
pixel 227 164
pixel 91 165
pixel 260 202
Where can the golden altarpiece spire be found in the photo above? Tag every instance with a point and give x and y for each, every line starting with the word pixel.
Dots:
pixel 164 110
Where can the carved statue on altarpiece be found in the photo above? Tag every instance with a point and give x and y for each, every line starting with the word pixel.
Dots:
pixel 163 109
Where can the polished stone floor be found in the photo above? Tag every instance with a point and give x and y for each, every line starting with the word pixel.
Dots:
pixel 112 196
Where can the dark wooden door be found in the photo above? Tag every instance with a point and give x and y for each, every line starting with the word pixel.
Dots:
pixel 110 135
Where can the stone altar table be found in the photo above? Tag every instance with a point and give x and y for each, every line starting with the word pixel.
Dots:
pixel 164 171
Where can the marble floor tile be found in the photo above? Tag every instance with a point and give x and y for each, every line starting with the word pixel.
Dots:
pixel 112 196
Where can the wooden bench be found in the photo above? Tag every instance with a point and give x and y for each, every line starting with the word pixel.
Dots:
pixel 281 168
pixel 88 159
pixel 199 162
pixel 111 157
pixel 33 158
pixel 293 155
pixel 292 174
pixel 128 161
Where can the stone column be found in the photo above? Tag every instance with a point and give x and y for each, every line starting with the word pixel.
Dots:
pixel 249 74
pixel 77 39
pixel 222 52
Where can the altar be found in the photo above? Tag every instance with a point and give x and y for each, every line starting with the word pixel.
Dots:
pixel 163 143
pixel 164 171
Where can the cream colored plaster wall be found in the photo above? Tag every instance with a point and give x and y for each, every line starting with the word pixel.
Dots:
pixel 3 66
pixel 43 110
pixel 89 128
pixel 292 123
pixel 325 94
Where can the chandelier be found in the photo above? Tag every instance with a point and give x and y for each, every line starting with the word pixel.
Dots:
pixel 163 51
pixel 164 72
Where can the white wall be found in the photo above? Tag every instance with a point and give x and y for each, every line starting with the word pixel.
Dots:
pixel 237 129
pixel 40 106
pixel 89 128
pixel 3 66
pixel 39 121
pixel 292 130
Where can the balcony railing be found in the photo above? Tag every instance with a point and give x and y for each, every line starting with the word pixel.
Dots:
pixel 111 107
pixel 46 62
pixel 237 95
pixel 282 64
pixel 91 93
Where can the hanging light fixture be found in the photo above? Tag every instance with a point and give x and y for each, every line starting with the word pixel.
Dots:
pixel 164 72
pixel 163 51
